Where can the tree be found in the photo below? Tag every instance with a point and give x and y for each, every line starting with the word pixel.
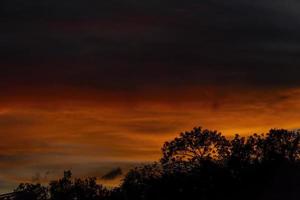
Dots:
pixel 195 147
pixel 88 189
pixel 79 189
pixel 246 151
pixel 139 182
pixel 28 191
pixel 282 144
pixel 62 188
pixel 200 163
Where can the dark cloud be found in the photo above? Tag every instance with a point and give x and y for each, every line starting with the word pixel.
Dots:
pixel 12 120
pixel 136 44
pixel 112 174
pixel 152 127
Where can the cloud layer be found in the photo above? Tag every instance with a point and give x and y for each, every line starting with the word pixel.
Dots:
pixel 135 44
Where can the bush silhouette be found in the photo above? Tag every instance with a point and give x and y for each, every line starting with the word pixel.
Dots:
pixel 27 191
pixel 68 189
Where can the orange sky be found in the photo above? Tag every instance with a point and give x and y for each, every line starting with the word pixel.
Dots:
pixel 87 130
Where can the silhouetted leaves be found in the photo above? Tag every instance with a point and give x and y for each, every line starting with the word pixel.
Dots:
pixel 139 182
pixel 68 189
pixel 282 144
pixel 27 191
pixel 192 148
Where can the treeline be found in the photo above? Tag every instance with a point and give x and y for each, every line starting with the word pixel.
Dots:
pixel 199 164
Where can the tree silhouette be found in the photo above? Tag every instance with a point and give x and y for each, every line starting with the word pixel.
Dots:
pixel 200 164
pixel 62 188
pixel 88 189
pixel 67 189
pixel 27 191
pixel 139 182
pixel 282 144
pixel 192 148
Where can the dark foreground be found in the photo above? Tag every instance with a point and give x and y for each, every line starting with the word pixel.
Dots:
pixel 199 164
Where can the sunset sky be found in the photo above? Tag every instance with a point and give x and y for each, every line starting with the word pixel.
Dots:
pixel 93 85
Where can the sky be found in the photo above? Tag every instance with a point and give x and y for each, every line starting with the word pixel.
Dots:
pixel 99 84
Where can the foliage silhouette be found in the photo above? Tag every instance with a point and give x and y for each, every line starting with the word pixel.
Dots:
pixel 193 148
pixel 27 191
pixel 66 189
pixel 200 164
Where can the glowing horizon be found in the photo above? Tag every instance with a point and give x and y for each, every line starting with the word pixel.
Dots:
pixel 85 134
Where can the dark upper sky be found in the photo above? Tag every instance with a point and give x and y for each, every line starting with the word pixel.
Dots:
pixel 117 44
